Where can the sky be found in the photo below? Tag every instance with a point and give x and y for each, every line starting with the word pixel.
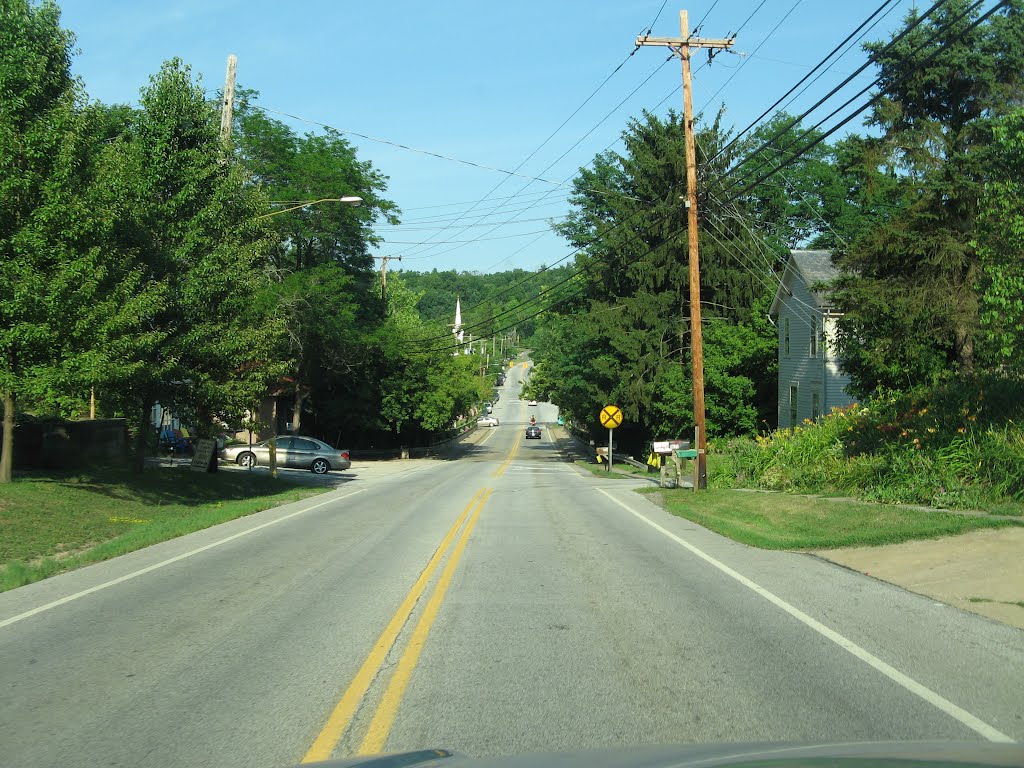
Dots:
pixel 484 84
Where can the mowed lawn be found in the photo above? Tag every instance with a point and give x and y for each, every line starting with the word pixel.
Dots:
pixel 52 522
pixel 787 521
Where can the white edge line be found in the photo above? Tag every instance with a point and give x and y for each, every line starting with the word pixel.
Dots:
pixel 169 561
pixel 945 705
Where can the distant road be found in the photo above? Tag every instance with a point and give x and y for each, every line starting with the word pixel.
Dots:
pixel 496 603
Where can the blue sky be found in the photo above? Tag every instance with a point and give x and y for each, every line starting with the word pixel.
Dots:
pixel 483 82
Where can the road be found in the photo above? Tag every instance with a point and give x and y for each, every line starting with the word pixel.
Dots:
pixel 496 603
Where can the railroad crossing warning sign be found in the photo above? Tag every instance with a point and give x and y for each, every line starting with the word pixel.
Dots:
pixel 611 417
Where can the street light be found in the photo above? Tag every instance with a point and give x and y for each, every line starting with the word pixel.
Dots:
pixel 353 201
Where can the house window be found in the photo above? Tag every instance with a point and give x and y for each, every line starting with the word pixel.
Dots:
pixel 815 405
pixel 794 395
pixel 814 337
pixel 785 336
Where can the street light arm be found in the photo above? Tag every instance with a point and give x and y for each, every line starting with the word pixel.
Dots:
pixel 347 200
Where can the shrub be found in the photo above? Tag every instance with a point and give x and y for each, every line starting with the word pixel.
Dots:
pixel 955 445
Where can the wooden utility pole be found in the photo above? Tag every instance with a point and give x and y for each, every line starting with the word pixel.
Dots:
pixel 683 47
pixel 384 275
pixel 227 107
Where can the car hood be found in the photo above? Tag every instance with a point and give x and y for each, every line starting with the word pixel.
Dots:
pixel 777 755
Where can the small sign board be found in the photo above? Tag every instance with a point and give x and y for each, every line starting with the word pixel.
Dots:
pixel 205 457
pixel 668 447
pixel 611 417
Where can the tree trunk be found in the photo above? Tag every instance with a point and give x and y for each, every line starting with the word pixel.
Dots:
pixel 964 344
pixel 273 437
pixel 7 450
pixel 142 432
pixel 300 399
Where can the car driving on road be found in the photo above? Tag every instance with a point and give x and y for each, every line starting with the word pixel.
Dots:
pixel 533 433
pixel 294 451
pixel 487 421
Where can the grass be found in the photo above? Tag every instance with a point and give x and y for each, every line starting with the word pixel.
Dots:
pixel 621 471
pixel 55 522
pixel 784 521
pixel 1018 603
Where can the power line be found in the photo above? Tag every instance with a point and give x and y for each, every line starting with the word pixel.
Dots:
pixel 741 179
pixel 586 267
pixel 747 20
pixel 576 144
pixel 675 91
pixel 830 94
pixel 553 133
pixel 754 52
pixel 816 67
pixel 699 24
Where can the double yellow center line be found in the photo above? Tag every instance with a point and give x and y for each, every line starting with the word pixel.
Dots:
pixel 384 717
pixel 380 726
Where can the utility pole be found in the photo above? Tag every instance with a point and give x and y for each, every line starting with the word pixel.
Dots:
pixel 683 47
pixel 384 275
pixel 227 107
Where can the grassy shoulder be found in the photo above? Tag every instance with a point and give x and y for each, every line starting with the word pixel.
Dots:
pixel 56 522
pixel 785 521
pixel 621 471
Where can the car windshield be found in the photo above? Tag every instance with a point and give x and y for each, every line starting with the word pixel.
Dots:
pixel 675 353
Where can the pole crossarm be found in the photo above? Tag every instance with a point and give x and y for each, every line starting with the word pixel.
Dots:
pixel 678 44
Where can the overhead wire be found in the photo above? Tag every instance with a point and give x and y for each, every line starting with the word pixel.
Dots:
pixel 754 52
pixel 674 92
pixel 859 110
pixel 576 144
pixel 799 118
pixel 854 36
pixel 805 149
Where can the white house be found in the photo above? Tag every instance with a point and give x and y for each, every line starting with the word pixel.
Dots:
pixel 811 380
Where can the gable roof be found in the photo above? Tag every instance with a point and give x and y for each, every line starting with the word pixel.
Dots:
pixel 810 268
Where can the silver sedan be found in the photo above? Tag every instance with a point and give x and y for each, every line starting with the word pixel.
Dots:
pixel 293 451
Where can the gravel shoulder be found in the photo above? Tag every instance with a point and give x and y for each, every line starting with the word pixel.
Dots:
pixel 981 571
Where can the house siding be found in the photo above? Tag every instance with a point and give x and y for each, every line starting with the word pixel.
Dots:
pixel 836 395
pixel 820 380
pixel 799 367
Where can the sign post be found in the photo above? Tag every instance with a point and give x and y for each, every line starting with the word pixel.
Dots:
pixel 611 417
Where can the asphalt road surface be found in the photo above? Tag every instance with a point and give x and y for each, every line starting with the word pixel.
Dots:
pixel 496 603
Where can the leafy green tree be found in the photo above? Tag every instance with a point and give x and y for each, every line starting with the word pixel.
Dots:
pixel 293 169
pixel 423 391
pixel 322 337
pixel 326 290
pixel 1001 243
pixel 911 296
pixel 630 328
pixel 187 244
pixel 40 148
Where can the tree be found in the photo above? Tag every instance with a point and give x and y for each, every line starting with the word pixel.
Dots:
pixel 631 321
pixel 1001 243
pixel 38 149
pixel 322 336
pixel 187 246
pixel 911 294
pixel 423 390
pixel 313 167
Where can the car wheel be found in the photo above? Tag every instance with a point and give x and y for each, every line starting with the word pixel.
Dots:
pixel 320 466
pixel 246 459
